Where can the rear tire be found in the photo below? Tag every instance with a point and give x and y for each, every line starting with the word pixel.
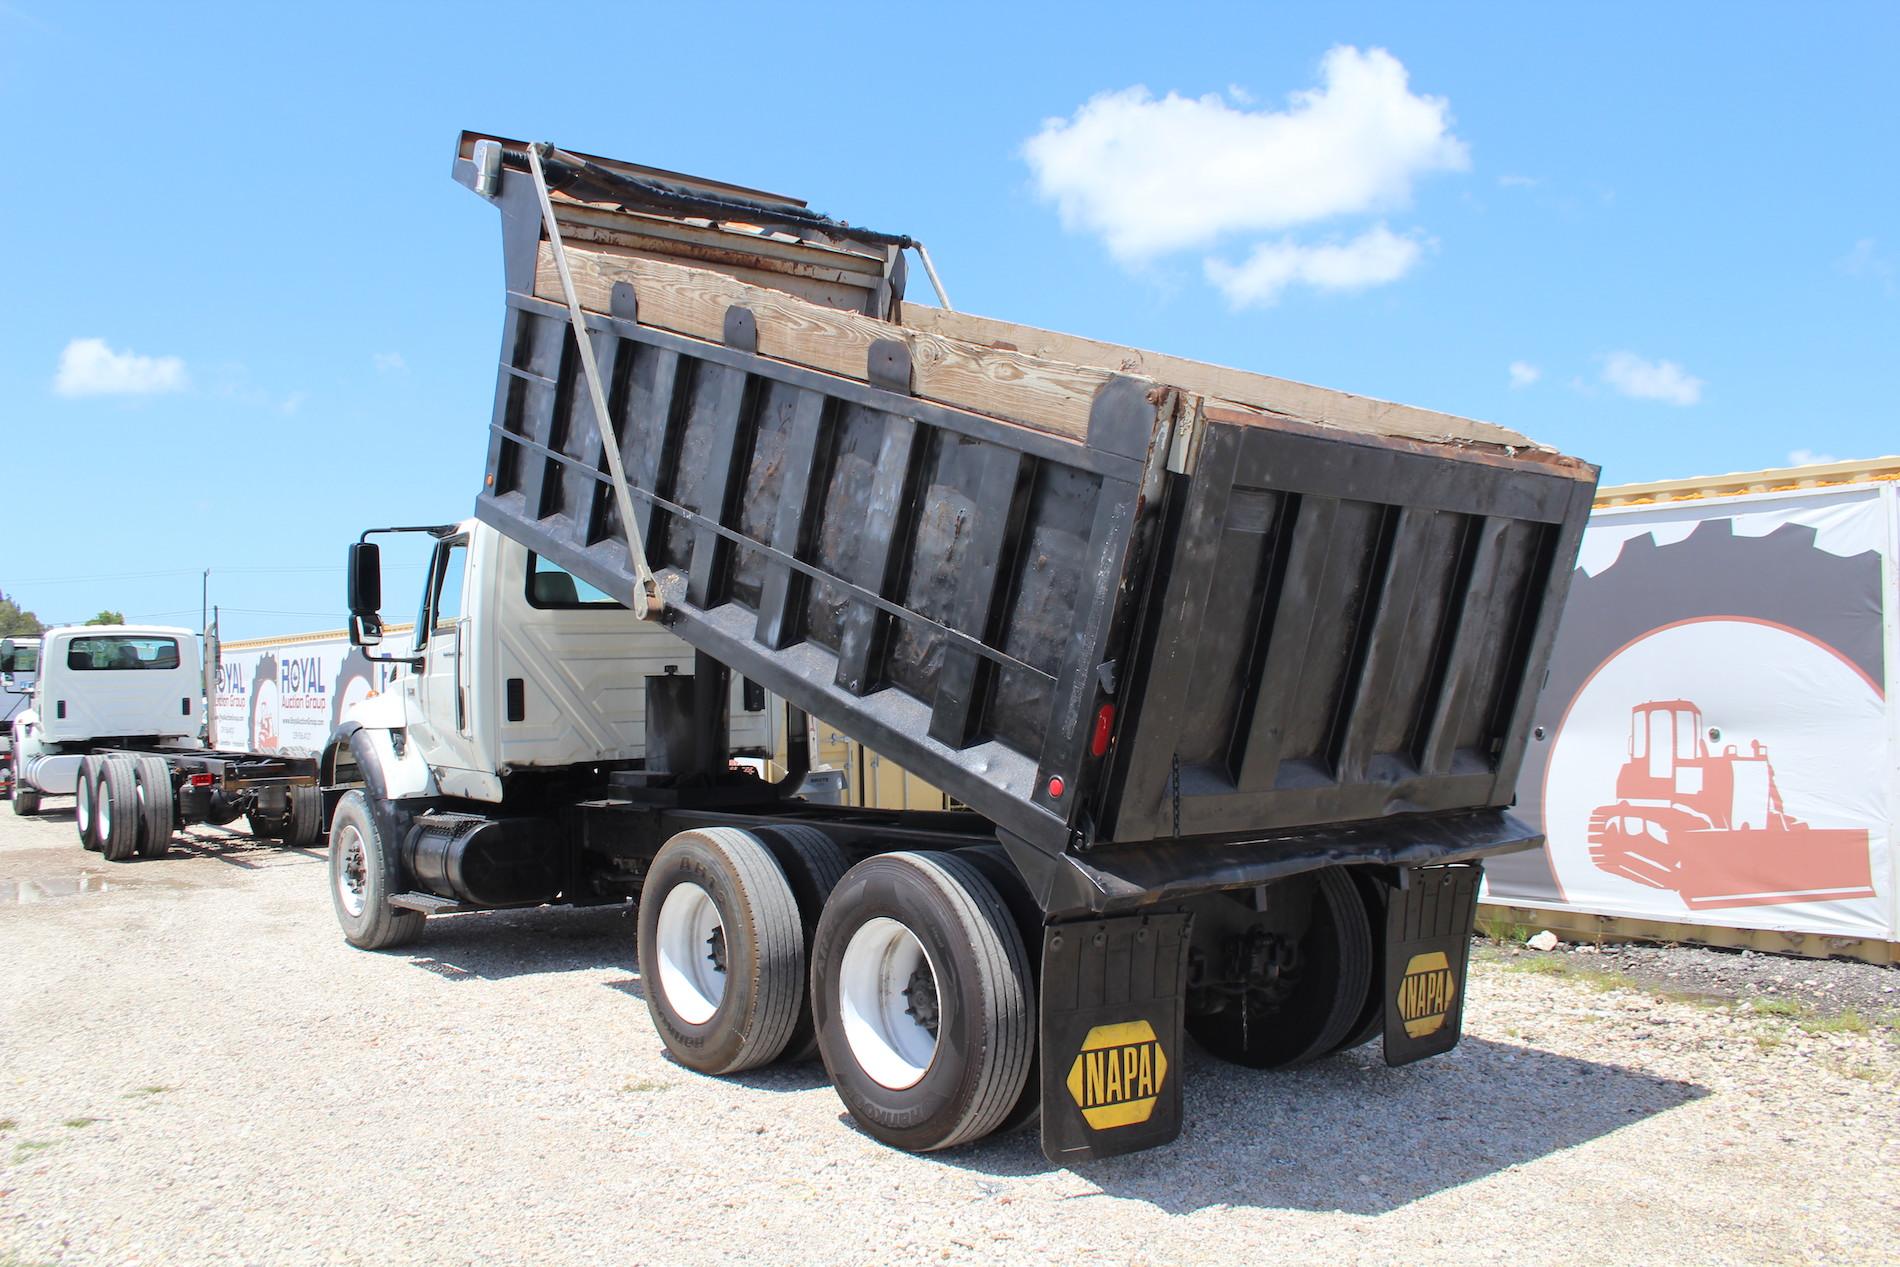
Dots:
pixel 26 800
pixel 85 798
pixel 363 876
pixel 305 825
pixel 1371 1020
pixel 1324 1005
pixel 993 861
pixel 926 1016
pixel 813 864
pixel 722 956
pixel 115 809
pixel 157 806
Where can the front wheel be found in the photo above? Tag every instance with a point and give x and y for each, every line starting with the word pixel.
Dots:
pixel 363 876
pixel 26 800
pixel 922 995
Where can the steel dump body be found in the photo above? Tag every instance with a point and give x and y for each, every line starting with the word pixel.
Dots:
pixel 1178 642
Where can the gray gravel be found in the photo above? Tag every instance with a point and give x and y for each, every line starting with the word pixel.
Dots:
pixel 1826 987
pixel 195 1069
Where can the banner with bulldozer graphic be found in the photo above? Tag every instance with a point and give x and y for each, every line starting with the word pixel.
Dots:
pixel 1716 741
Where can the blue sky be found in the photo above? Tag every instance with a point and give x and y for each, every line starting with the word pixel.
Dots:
pixel 248 314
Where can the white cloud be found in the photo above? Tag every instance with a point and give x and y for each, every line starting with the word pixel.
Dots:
pixel 1374 258
pixel 1523 373
pixel 388 362
pixel 1866 262
pixel 1651 380
pixel 1155 175
pixel 89 368
pixel 1808 457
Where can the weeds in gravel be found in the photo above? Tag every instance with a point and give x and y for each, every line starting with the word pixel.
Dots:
pixel 146 1092
pixel 1862 1073
pixel 647 1084
pixel 1497 928
pixel 27 1147
pixel 8 1123
pixel 79 1123
pixel 1847 1021
pixel 1769 1039
pixel 1774 1007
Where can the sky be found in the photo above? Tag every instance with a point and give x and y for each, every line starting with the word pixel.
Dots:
pixel 248 314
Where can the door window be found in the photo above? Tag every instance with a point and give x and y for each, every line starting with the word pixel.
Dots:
pixel 443 600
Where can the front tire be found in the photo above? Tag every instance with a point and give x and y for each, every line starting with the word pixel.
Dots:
pixel 26 800
pixel 363 876
pixel 115 809
pixel 722 957
pixel 925 1011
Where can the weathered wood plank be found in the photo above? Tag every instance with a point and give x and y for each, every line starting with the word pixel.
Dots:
pixel 1032 390
pixel 1261 391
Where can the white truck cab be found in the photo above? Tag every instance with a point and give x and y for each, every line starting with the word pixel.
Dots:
pixel 102 685
pixel 518 668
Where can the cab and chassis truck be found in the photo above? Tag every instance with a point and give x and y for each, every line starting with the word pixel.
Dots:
pixel 1233 675
pixel 115 719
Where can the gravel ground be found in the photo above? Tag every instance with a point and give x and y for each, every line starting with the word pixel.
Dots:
pixel 1825 987
pixel 194 1068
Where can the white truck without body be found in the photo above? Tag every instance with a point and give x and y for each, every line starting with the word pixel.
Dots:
pixel 116 719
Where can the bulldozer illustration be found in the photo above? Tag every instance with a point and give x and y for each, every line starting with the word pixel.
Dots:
pixel 1712 827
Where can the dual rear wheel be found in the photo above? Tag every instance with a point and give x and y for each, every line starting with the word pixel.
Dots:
pixel 907 972
pixel 124 805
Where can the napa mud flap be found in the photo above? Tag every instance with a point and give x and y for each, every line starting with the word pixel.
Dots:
pixel 1427 949
pixel 1113 992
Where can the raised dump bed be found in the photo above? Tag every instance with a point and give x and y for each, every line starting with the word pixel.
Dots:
pixel 1146 612
pixel 1236 672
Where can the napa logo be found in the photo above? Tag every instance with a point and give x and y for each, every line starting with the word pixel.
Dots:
pixel 1426 992
pixel 1117 1074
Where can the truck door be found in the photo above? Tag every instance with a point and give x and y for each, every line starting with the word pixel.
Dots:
pixel 443 684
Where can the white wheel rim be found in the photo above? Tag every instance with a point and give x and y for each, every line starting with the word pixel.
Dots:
pixel 352 871
pixel 886 1039
pixel 104 810
pixel 83 810
pixel 692 983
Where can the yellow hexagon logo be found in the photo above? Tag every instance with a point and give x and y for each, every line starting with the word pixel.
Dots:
pixel 1425 993
pixel 1117 1075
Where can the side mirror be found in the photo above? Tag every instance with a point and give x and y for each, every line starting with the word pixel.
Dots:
pixel 6 659
pixel 366 594
pixel 366 579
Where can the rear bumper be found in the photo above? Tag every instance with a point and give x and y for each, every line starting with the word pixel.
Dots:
pixel 1124 877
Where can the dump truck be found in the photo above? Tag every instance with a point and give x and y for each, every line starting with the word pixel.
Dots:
pixel 116 720
pixel 1229 677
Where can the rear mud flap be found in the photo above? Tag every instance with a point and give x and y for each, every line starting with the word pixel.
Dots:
pixel 1427 950
pixel 1113 992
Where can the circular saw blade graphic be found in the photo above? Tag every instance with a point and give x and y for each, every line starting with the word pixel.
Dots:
pixel 1780 579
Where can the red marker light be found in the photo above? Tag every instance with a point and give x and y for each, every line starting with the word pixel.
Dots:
pixel 1104 727
pixel 1055 787
pixel 203 780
